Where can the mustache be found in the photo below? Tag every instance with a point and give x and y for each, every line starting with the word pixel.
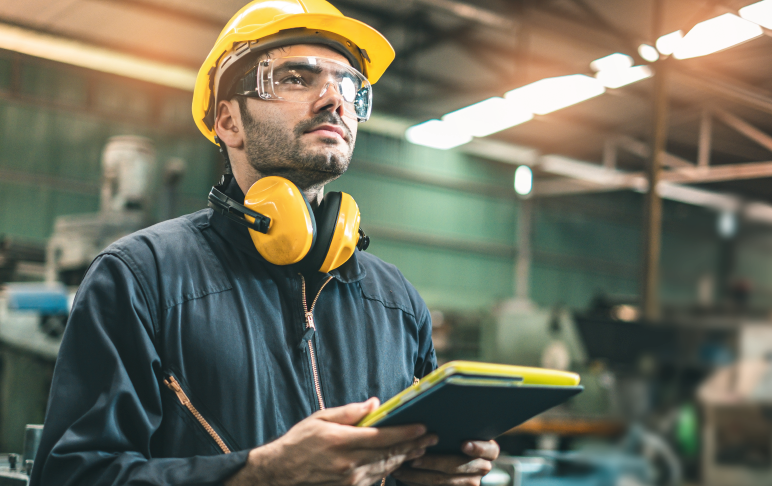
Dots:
pixel 323 117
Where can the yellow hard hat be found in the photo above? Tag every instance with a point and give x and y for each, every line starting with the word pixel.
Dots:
pixel 265 24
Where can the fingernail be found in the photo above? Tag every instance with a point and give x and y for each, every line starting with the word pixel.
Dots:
pixel 417 463
pixel 432 440
pixel 420 430
pixel 468 447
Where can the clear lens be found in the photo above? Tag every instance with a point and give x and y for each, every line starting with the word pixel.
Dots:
pixel 306 79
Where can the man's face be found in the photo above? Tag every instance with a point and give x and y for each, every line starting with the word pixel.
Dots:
pixel 308 143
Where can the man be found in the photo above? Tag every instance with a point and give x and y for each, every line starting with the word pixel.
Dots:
pixel 187 358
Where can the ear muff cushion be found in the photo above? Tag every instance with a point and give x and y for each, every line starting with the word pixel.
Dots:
pixel 326 219
pixel 291 234
pixel 346 234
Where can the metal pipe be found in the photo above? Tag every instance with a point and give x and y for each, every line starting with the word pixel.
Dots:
pixel 706 130
pixel 523 260
pixel 476 14
pixel 652 231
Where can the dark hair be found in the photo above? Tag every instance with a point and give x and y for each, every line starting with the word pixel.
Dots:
pixel 246 116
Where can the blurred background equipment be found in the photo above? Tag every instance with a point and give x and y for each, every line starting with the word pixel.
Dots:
pixel 20 260
pixel 127 164
pixel 33 314
pixel 737 403
pixel 15 468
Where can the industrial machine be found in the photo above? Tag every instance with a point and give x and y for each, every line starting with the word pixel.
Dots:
pixel 641 458
pixel 33 314
pixel 15 469
pixel 737 408
pixel 127 165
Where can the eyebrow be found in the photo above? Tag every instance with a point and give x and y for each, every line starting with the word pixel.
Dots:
pixel 311 68
pixel 299 66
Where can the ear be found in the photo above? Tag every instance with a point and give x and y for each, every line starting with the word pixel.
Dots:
pixel 228 124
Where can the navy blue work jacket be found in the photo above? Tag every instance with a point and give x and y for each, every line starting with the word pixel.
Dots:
pixel 188 309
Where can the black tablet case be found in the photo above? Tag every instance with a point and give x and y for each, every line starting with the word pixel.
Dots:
pixel 460 412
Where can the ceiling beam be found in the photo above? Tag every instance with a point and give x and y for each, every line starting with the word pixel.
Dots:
pixel 731 91
pixel 744 128
pixel 716 173
pixel 601 22
pixel 485 17
pixel 564 187
pixel 178 14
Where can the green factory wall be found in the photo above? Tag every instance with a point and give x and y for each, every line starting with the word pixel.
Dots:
pixel 446 219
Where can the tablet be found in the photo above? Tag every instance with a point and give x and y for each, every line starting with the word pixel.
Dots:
pixel 465 400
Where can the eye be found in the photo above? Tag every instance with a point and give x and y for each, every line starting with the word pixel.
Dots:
pixel 293 80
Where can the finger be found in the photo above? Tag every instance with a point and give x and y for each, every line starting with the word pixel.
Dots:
pixel 381 437
pixel 483 449
pixel 384 461
pixel 419 477
pixel 452 464
pixel 350 414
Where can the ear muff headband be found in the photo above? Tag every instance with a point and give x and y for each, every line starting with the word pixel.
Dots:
pixel 237 212
pixel 292 230
pixel 326 218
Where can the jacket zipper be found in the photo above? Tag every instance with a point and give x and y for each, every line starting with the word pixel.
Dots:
pixel 174 386
pixel 309 334
pixel 310 329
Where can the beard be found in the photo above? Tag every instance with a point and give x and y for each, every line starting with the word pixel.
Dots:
pixel 274 151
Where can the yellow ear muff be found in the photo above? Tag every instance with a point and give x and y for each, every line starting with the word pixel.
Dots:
pixel 345 235
pixel 292 230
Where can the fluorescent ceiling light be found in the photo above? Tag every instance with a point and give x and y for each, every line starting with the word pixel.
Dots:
pixel 616 78
pixel 612 61
pixel 648 52
pixel 91 57
pixel 487 117
pixel 523 180
pixel 667 43
pixel 436 134
pixel 551 94
pixel 760 13
pixel 715 35
pixel 727 224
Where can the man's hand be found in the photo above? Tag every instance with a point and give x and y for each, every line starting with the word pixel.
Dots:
pixel 451 470
pixel 326 449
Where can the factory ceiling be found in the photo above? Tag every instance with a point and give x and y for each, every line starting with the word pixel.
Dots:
pixel 452 53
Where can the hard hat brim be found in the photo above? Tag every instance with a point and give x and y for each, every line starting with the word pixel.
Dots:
pixel 379 51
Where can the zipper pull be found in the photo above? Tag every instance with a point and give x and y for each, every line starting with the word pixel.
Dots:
pixel 310 320
pixel 310 328
pixel 307 336
pixel 172 384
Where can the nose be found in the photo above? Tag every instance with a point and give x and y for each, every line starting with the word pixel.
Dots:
pixel 330 99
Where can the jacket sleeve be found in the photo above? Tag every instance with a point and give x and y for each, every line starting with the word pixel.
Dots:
pixel 105 401
pixel 426 361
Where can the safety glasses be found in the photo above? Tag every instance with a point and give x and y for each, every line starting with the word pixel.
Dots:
pixel 305 79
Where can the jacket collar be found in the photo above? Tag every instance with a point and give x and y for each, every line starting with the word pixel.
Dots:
pixel 238 236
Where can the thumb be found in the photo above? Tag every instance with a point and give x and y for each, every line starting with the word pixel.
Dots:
pixel 349 414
